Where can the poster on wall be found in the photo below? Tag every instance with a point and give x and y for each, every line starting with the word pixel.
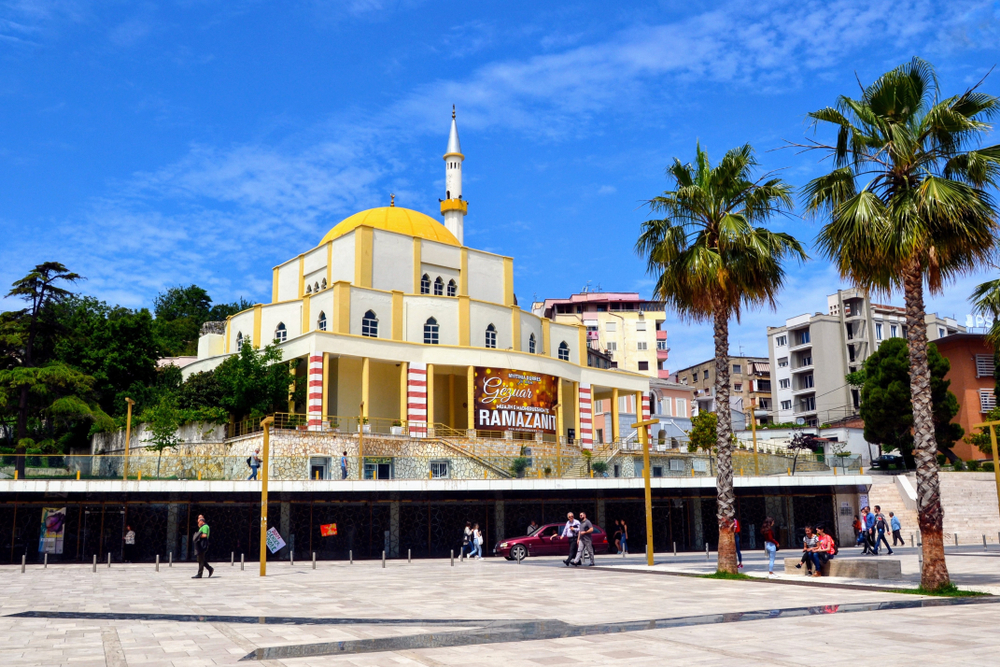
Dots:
pixel 511 400
pixel 274 541
pixel 53 530
pixel 328 529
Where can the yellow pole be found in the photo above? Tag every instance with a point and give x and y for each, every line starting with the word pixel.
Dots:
pixel 614 415
pixel 644 441
pixel 996 455
pixel 753 429
pixel 266 423
pixel 361 442
pixel 128 436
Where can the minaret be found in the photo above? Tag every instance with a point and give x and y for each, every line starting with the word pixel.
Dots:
pixel 453 207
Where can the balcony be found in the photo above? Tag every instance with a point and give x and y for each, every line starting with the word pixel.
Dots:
pixel 662 354
pixel 663 374
pixel 661 335
pixel 803 369
pixel 801 391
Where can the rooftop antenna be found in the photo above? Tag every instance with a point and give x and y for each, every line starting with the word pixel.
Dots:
pixel 586 288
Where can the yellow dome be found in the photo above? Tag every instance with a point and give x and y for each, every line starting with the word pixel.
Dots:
pixel 395 219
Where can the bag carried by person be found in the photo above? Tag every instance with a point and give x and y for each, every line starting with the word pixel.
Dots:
pixel 250 461
pixel 880 523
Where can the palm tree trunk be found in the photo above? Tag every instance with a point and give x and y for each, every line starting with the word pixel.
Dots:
pixel 726 503
pixel 930 514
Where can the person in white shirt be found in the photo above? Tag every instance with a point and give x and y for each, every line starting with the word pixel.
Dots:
pixel 570 531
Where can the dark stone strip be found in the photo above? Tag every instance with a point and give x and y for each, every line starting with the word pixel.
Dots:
pixel 256 620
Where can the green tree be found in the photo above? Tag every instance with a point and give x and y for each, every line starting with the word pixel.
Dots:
pixel 703 435
pixel 180 312
pixel 908 210
pixel 711 262
pixel 253 382
pixel 163 422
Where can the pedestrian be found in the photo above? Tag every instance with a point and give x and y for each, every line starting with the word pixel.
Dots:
pixel 466 541
pixel 736 539
pixel 825 550
pixel 532 527
pixel 128 551
pixel 881 528
pixel 862 537
pixel 477 542
pixel 254 462
pixel 200 544
pixel 618 537
pixel 894 524
pixel 624 537
pixel 857 530
pixel 809 543
pixel 770 544
pixel 870 531
pixel 585 549
pixel 343 466
pixel 569 531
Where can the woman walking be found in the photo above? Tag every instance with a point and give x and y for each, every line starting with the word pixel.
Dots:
pixel 477 542
pixel 624 537
pixel 618 537
pixel 770 544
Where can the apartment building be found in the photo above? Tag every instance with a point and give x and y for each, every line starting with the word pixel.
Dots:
pixel 626 328
pixel 811 355
pixel 749 378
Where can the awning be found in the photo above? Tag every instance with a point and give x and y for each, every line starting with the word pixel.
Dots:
pixel 761 368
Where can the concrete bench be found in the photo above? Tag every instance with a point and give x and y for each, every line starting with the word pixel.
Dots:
pixel 854 568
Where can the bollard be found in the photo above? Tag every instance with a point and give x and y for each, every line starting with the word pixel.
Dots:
pixel 314 560
pixel 109 559
pixel 956 539
pixel 291 557
pixel 707 557
pixel 15 474
pixel 78 475
pixel 242 563
pixel 675 548
pixel 45 561
pixel 95 564
pixel 199 475
pixel 232 558
pixel 157 562
pixel 984 543
pixel 171 563
pixel 140 476
pixel 912 542
pixel 383 559
pixel 789 472
pixel 453 558
pixel 350 554
pixel 24 558
pixel 408 558
pixel 520 557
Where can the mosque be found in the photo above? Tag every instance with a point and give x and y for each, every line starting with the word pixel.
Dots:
pixel 395 320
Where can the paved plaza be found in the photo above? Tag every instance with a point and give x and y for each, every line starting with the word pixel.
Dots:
pixel 483 612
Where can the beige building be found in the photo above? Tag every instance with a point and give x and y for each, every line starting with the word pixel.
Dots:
pixel 812 354
pixel 620 324
pixel 749 378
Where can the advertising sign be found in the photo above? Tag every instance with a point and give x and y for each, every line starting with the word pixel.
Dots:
pixel 274 541
pixel 328 529
pixel 50 540
pixel 510 400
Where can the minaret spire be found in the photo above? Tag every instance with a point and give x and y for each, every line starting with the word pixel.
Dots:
pixel 453 207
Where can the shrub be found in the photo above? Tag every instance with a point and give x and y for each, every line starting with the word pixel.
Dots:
pixel 600 467
pixel 973 464
pixel 942 459
pixel 988 466
pixel 958 465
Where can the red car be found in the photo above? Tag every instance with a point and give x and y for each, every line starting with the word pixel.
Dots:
pixel 540 543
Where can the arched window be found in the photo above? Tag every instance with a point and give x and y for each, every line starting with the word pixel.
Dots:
pixel 239 341
pixel 452 288
pixel 531 344
pixel 564 351
pixel 324 283
pixel 316 287
pixel 321 322
pixel 280 333
pixel 425 284
pixel 369 325
pixel 438 286
pixel 491 336
pixel 309 289
pixel 431 331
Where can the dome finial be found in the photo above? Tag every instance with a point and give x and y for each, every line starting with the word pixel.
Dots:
pixel 452 110
pixel 392 200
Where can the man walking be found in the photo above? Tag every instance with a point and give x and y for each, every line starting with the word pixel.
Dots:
pixel 870 532
pixel 200 540
pixel 881 526
pixel 254 462
pixel 894 524
pixel 570 532
pixel 586 539
pixel 343 466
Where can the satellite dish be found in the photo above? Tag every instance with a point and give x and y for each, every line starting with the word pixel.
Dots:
pixel 800 421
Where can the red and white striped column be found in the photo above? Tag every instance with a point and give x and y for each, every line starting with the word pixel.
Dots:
pixel 645 413
pixel 416 399
pixel 586 418
pixel 314 409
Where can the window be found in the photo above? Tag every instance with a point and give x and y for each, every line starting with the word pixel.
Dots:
pixel 681 407
pixel 641 345
pixel 987 401
pixel 431 331
pixel 661 345
pixel 806 361
pixel 878 331
pixel 781 341
pixel 764 404
pixel 942 332
pixel 439 286
pixel 309 289
pixel 893 330
pixel 807 381
pixel 783 362
pixel 643 365
pixel 439 470
pixel 807 404
pixel 491 336
pixel 531 344
pixel 612 346
pixel 705 376
pixel 452 288
pixel 425 284
pixel 738 386
pixel 239 341
pixel 369 325
pixel 324 283
pixel 316 287
pixel 564 351
pixel 280 333
pixel 783 383
pixel 786 405
pixel 984 365
pixel 611 327
pixel 803 337
pixel 640 325
pixel 737 369
pixel 321 321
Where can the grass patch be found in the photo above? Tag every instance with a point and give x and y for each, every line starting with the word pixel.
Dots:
pixel 949 591
pixel 728 576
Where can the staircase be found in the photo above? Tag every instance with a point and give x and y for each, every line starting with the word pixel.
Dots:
pixel 885 493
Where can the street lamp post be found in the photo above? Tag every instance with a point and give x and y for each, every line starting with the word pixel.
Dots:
pixel 128 436
pixel 266 423
pixel 644 441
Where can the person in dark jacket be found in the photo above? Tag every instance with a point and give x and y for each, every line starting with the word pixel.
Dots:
pixel 200 543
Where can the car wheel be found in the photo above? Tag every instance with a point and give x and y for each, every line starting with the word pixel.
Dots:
pixel 518 552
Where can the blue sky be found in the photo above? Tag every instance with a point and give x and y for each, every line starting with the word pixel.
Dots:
pixel 148 144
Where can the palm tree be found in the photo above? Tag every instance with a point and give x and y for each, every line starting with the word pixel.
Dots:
pixel 908 211
pixel 711 262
